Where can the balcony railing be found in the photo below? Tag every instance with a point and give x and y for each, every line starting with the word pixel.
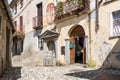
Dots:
pixel 37 22
pixel 71 7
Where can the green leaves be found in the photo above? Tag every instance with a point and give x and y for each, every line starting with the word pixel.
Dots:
pixel 80 3
pixel 60 6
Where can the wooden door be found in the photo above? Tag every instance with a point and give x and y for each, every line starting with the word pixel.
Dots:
pixel 72 50
pixel 7 45
pixel 84 56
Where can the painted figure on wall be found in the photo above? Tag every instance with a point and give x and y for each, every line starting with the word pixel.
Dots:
pixel 50 12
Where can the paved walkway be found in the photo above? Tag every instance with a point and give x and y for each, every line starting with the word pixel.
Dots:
pixel 71 72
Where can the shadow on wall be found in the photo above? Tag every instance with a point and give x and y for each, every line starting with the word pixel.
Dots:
pixel 113 58
pixel 11 73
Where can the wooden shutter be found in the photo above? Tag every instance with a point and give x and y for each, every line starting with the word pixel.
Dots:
pixel 40 17
pixel 21 23
pixel 21 2
pixel 0 23
pixel 15 24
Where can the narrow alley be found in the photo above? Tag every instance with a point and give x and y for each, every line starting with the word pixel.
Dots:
pixel 59 39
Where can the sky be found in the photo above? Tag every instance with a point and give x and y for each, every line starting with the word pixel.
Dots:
pixel 9 1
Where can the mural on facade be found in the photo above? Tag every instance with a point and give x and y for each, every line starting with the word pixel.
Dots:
pixel 50 13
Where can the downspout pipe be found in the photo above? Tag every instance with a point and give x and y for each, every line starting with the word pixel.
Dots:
pixel 97 14
pixel 97 4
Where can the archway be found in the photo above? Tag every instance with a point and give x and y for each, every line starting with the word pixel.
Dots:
pixel 77 48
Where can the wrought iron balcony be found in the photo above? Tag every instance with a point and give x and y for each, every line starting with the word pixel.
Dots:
pixel 71 7
pixel 37 22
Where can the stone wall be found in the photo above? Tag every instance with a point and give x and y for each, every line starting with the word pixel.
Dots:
pixel 3 46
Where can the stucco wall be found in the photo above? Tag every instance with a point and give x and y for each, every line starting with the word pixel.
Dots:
pixel 64 28
pixel 30 42
pixel 29 11
pixel 100 47
pixel 4 25
pixel 103 48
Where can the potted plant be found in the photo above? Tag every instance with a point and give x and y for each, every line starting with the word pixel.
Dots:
pixel 80 3
pixel 69 1
pixel 60 7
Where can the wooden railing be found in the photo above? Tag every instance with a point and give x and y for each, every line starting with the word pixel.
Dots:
pixel 37 22
pixel 71 7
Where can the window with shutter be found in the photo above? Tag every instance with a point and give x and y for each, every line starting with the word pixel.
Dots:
pixel 21 23
pixel 107 0
pixel 115 23
pixel 0 23
pixel 15 8
pixel 40 16
pixel 15 23
pixel 21 3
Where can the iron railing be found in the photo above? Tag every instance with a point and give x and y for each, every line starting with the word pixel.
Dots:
pixel 37 22
pixel 70 7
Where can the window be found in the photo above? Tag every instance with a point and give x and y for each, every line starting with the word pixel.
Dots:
pixel 21 3
pixel 15 8
pixel 115 23
pixel 15 23
pixel 40 44
pixel 63 50
pixel 107 0
pixel 40 15
pixel 21 23
pixel 0 23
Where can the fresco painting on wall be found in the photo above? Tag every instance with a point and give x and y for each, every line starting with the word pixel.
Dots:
pixel 50 13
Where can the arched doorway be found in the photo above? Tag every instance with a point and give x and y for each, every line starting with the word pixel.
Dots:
pixel 77 48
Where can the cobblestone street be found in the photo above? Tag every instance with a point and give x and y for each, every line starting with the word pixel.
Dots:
pixel 71 72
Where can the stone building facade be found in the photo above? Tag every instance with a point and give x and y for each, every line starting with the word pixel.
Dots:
pixel 70 31
pixel 6 33
pixel 104 40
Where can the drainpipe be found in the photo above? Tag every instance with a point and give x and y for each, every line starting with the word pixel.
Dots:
pixel 97 4
pixel 97 16
pixel 89 24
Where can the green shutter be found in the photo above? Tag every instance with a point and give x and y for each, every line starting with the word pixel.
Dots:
pixel 71 45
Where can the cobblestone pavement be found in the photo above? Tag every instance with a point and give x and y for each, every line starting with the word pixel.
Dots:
pixel 71 72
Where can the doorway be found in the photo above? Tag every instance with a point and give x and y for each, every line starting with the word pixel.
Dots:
pixel 51 48
pixel 7 46
pixel 77 48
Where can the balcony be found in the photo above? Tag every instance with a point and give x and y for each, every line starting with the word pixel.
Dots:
pixel 71 7
pixel 37 22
